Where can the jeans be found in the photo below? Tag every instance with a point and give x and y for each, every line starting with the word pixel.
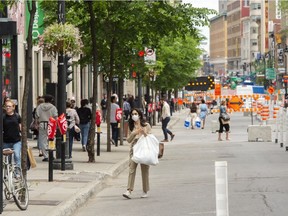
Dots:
pixel 84 133
pixel 164 127
pixel 71 138
pixel 17 151
pixel 114 127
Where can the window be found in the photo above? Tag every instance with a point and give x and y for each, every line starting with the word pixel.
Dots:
pixel 46 74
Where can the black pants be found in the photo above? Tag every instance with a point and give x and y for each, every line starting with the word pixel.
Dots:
pixel 226 126
pixel 115 129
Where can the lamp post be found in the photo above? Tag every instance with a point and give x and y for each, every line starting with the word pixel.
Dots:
pixel 60 162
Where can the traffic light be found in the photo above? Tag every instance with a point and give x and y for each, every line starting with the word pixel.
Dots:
pixel 68 69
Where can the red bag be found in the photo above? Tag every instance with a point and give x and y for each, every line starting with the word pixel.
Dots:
pixel 118 115
pixel 62 123
pixel 52 125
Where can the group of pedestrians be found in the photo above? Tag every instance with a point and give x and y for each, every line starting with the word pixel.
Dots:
pixel 201 111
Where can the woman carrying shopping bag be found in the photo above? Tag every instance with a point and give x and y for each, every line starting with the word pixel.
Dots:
pixel 193 114
pixel 138 127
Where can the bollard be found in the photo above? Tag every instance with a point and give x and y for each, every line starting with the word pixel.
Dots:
pixel 63 156
pixel 221 184
pixel 50 169
pixel 281 127
pixel 98 140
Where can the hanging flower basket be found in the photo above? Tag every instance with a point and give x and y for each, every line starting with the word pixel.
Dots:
pixel 61 38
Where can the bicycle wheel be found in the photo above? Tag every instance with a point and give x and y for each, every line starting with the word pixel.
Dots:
pixel 20 192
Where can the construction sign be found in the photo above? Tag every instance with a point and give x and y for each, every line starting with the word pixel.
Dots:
pixel 201 84
pixel 235 103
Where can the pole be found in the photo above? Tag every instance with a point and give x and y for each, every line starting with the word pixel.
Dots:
pixel 1 140
pixel 140 93
pixel 61 97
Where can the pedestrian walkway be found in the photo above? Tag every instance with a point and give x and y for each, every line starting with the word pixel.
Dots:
pixel 72 188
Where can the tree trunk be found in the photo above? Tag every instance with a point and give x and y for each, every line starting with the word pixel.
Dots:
pixel 91 143
pixel 121 92
pixel 28 75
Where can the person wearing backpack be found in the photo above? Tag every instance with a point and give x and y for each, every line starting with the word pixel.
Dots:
pixel 12 131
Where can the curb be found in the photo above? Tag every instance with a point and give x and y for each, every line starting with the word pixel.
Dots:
pixel 70 206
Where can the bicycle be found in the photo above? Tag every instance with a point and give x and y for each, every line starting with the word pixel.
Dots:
pixel 14 182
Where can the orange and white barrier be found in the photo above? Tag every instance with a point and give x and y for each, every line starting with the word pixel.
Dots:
pixel 265 113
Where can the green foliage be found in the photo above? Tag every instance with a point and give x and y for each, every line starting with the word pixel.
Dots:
pixel 125 27
pixel 61 38
pixel 181 59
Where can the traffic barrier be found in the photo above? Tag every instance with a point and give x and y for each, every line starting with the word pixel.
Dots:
pixel 265 113
pixel 240 110
pixel 259 133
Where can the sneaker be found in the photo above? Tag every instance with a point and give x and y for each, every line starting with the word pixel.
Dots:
pixel 144 195
pixel 127 194
pixel 83 148
pixel 45 159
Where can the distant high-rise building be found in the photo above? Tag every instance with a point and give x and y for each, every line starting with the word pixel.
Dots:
pixel 222 6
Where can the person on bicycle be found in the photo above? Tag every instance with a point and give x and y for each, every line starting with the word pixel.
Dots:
pixel 12 131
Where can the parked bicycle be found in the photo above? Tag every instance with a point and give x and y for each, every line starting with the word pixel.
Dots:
pixel 14 183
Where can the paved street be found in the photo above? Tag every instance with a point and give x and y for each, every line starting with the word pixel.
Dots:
pixel 184 181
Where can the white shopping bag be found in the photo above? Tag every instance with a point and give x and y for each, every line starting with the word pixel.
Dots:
pixel 146 150
pixel 198 122
pixel 187 122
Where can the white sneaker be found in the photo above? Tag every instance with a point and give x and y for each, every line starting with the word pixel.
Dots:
pixel 144 195
pixel 127 194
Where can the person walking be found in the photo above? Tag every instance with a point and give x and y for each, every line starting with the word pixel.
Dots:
pixel 165 116
pixel 72 120
pixel 85 115
pixel 203 112
pixel 103 105
pixel 126 108
pixel 138 127
pixel 193 114
pixel 43 112
pixel 113 121
pixel 12 130
pixel 223 124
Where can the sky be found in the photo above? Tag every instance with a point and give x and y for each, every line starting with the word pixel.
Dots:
pixel 211 4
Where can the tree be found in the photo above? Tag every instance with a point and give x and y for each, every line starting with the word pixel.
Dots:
pixel 181 59
pixel 28 75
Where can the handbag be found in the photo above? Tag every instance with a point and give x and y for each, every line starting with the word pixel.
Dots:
pixel 161 150
pixel 225 116
pixel 31 158
pixel 34 126
pixel 77 129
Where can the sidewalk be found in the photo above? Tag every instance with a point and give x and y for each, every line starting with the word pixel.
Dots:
pixel 72 188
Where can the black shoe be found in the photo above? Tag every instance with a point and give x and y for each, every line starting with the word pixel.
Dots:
pixel 172 136
pixel 45 159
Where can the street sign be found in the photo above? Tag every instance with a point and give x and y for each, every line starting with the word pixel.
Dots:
pixel 150 56
pixel 270 73
pixel 235 103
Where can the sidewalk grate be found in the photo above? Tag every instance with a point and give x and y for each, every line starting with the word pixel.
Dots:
pixel 44 202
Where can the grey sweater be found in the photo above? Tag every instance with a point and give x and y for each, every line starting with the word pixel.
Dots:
pixel 44 111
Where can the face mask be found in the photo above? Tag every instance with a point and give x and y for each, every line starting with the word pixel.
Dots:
pixel 135 117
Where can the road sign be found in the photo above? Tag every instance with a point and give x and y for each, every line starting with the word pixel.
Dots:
pixel 270 73
pixel 150 56
pixel 235 103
